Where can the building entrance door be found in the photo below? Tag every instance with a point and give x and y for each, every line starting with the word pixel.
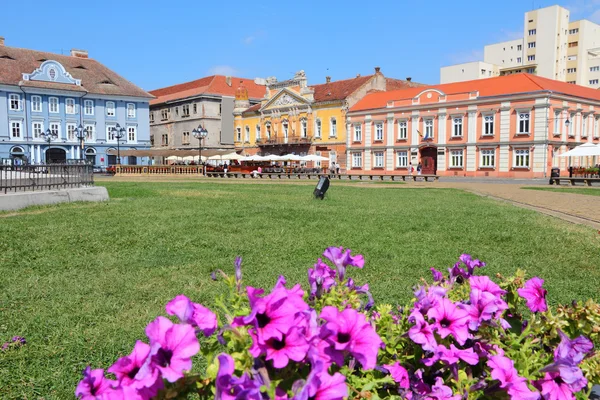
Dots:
pixel 428 161
pixel 56 156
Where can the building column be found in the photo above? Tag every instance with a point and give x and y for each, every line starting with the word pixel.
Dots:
pixel 39 154
pixel 389 151
pixel 72 152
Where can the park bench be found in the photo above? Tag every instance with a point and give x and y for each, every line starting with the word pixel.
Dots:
pixel 572 181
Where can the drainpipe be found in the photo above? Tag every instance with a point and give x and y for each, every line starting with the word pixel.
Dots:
pixel 26 124
pixel 82 155
pixel 546 138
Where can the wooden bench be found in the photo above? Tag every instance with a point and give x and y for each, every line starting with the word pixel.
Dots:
pixel 572 181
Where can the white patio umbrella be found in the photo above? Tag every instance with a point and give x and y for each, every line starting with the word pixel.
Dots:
pixel 172 158
pixel 584 150
pixel 314 157
pixel 229 156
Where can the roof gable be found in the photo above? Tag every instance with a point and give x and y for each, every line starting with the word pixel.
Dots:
pixel 52 71
pixel 285 98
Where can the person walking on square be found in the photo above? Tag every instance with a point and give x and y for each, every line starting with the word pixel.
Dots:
pixel 419 168
pixel 410 169
pixel 332 168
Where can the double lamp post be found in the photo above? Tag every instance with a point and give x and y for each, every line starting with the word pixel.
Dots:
pixel 200 133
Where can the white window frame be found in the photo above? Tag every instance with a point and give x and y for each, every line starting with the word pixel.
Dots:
pixel 455 157
pixel 595 68
pixel 594 81
pixel 520 155
pixel 70 103
pixel 318 162
pixel 523 121
pixel 257 132
pixel 428 128
pixel 531 57
pixel 357 159
pixel 109 135
pixel 378 159
pixel 303 128
pixel 531 45
pixel 90 132
pixel 584 126
pixel 357 137
pixel 88 104
pixel 74 131
pixel 131 110
pixel 571 129
pixel 333 127
pixel 110 105
pixel 53 101
pixel 36 100
pixel 457 126
pixel 268 130
pixel 131 129
pixel 285 126
pixel 402 129
pixel 247 134
pixel 14 99
pixel 12 124
pixel 318 126
pixel 488 125
pixel 33 134
pixel 58 126
pixel 402 159
pixel 239 134
pixel 596 131
pixel 379 131
pixel 557 124
pixel 487 158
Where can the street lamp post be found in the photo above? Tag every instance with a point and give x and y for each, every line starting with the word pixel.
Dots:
pixel 118 133
pixel 81 134
pixel 200 133
pixel 48 137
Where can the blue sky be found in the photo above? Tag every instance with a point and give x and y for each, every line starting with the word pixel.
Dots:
pixel 161 43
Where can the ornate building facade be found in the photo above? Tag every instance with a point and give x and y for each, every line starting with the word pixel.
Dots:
pixel 41 91
pixel 294 117
pixel 512 126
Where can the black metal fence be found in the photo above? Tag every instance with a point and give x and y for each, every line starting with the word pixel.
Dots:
pixel 14 178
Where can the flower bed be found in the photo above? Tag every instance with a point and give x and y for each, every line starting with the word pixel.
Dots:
pixel 462 336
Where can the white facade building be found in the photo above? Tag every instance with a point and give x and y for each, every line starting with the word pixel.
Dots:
pixel 551 47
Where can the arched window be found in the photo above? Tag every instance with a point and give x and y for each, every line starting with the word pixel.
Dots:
pixel 90 155
pixel 285 127
pixel 332 127
pixel 303 128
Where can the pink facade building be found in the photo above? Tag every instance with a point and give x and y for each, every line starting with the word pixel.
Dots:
pixel 511 126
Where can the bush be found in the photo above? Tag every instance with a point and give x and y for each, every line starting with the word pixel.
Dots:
pixel 462 336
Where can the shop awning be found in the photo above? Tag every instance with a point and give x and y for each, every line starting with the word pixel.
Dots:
pixel 167 153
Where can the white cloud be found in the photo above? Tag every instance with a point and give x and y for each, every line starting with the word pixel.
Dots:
pixel 595 17
pixel 249 39
pixel 466 56
pixel 227 70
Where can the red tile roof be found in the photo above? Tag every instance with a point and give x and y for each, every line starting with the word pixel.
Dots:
pixel 14 62
pixel 498 86
pixel 214 84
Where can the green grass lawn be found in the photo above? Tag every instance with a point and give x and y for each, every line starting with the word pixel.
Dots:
pixel 80 281
pixel 577 190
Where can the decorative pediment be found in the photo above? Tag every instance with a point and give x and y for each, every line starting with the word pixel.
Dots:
pixel 52 71
pixel 286 99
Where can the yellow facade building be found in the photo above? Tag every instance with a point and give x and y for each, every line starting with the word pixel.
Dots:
pixel 294 117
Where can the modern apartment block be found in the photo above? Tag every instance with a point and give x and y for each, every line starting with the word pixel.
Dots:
pixel 552 47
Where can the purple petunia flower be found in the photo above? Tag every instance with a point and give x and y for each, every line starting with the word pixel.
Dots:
pixel 485 284
pixel 319 385
pixel 341 259
pixel 430 297
pixel 273 315
pixel 238 273
pixel 349 332
pixel 450 320
pixel 452 355
pixel 439 391
pixel 553 387
pixel 193 313
pixel 504 371
pixel 572 351
pixel 421 333
pixel 321 278
pixel 126 368
pixel 437 275
pixel 399 374
pixel 292 346
pixel 484 306
pixel 171 348
pixel 93 385
pixel 534 295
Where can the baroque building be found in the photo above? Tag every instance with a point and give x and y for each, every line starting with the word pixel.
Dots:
pixel 41 91
pixel 512 126
pixel 208 102
pixel 294 117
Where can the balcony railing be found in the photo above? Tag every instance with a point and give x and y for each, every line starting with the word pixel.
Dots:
pixel 277 141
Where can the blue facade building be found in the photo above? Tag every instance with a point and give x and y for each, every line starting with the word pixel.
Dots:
pixel 42 91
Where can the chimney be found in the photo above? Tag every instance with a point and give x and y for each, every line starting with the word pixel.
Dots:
pixel 228 80
pixel 377 69
pixel 1 41
pixel 79 53
pixel 328 79
pixel 408 78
